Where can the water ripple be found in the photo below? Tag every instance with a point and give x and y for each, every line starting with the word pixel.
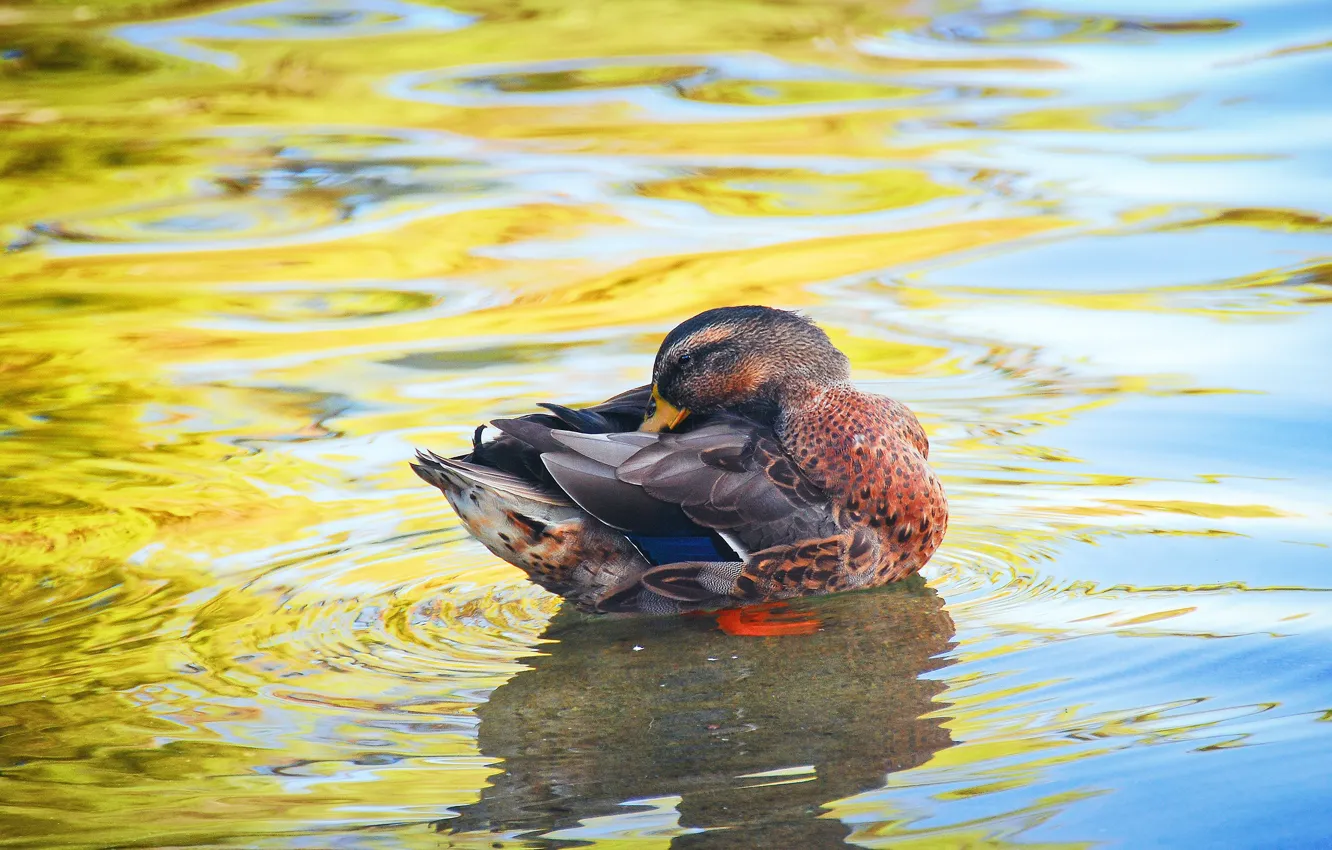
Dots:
pixel 707 87
pixel 1089 249
pixel 289 20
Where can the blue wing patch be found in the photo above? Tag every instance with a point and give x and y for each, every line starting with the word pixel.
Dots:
pixel 673 550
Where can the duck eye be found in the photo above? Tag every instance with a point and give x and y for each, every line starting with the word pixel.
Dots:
pixel 685 359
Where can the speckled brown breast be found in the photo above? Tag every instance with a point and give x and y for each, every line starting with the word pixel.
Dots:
pixel 869 455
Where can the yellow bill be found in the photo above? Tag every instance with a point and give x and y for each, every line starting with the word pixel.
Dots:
pixel 661 414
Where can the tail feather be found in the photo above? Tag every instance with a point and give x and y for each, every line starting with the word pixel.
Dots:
pixel 452 474
pixel 535 528
pixel 504 494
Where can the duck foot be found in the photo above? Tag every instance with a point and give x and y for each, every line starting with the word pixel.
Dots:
pixel 767 619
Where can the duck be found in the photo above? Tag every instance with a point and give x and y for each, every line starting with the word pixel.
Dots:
pixel 750 470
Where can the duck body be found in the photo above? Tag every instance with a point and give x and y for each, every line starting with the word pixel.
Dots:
pixel 750 470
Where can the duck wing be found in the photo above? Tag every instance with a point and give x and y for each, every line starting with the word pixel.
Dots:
pixel 729 475
pixel 517 449
pixel 530 448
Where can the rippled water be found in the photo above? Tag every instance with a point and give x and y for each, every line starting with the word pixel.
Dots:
pixel 260 252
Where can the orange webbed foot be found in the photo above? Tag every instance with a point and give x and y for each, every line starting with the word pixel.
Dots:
pixel 768 619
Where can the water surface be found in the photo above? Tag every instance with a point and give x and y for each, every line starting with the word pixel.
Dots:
pixel 258 253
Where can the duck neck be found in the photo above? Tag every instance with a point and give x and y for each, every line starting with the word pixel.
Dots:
pixel 794 399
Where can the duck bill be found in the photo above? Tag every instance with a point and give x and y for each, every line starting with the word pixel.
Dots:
pixel 662 415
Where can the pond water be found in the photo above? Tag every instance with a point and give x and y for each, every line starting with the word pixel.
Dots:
pixel 259 253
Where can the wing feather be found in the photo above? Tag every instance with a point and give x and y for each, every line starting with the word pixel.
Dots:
pixel 728 475
pixel 595 488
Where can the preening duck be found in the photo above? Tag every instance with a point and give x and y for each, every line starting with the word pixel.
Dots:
pixel 749 470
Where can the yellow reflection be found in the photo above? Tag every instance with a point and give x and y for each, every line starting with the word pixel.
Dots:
pixel 793 192
pixel 240 297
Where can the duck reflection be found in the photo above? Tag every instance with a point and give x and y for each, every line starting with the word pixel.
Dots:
pixel 752 734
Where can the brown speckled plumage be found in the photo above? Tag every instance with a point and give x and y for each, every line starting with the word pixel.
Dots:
pixel 779 480
pixel 869 455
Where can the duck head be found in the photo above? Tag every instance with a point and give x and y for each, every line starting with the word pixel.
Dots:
pixel 751 361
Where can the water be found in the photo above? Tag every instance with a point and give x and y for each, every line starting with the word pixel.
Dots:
pixel 260 253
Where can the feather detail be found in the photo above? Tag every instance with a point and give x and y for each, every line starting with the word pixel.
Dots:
pixel 831 492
